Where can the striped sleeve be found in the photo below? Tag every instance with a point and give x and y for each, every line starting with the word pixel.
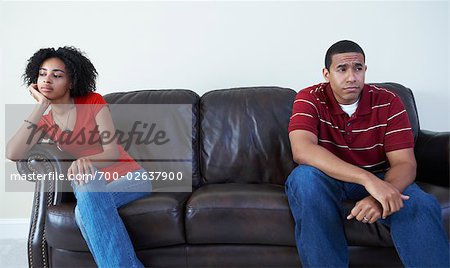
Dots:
pixel 305 113
pixel 398 133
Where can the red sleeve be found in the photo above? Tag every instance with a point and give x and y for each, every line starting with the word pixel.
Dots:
pixel 94 101
pixel 305 113
pixel 43 122
pixel 398 131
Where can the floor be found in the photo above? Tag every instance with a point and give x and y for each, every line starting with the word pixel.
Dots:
pixel 13 253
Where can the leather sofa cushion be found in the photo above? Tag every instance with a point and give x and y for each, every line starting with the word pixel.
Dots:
pixel 244 135
pixel 258 214
pixel 162 96
pixel 156 221
pixel 280 256
pixel 240 256
pixel 174 256
pixel 235 213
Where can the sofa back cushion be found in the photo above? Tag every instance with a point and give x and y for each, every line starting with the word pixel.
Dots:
pixel 407 98
pixel 244 135
pixel 148 158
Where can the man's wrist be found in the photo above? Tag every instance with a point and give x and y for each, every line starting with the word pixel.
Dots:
pixel 367 178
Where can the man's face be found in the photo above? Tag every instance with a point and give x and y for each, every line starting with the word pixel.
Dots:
pixel 346 76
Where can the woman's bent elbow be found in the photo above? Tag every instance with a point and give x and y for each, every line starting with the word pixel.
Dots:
pixel 11 156
pixel 12 153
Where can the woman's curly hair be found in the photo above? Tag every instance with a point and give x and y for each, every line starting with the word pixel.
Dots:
pixel 81 71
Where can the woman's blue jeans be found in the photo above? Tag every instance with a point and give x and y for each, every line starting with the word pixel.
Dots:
pixel 99 221
pixel 315 200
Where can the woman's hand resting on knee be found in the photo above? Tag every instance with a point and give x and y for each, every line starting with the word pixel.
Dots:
pixel 81 170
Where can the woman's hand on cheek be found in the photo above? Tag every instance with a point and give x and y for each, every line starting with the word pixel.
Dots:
pixel 38 96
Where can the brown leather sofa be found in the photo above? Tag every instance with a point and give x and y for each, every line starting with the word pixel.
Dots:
pixel 237 214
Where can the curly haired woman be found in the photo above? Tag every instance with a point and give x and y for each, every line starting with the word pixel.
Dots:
pixel 64 80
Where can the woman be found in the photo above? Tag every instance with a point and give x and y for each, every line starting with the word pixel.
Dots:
pixel 64 79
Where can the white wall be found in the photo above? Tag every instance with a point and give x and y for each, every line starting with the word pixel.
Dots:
pixel 209 45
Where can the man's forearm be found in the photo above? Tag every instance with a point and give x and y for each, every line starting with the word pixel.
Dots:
pixel 403 168
pixel 306 151
pixel 333 166
pixel 401 175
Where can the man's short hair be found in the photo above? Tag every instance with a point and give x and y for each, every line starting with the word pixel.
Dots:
pixel 343 46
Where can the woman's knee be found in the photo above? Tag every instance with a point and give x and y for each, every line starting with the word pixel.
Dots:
pixel 94 184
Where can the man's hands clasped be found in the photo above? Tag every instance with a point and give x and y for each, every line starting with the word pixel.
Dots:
pixel 367 210
pixel 383 201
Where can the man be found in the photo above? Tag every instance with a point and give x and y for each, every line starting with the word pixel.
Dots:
pixel 353 141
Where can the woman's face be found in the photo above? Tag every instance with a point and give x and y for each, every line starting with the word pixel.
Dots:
pixel 53 80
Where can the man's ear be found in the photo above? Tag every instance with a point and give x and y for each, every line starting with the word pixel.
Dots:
pixel 325 74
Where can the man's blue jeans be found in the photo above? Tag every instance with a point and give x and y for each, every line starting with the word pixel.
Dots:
pixel 316 199
pixel 99 221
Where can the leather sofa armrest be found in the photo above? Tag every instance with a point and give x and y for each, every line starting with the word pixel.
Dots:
pixel 432 156
pixel 43 159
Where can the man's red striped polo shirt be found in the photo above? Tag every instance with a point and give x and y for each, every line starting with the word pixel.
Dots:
pixel 379 125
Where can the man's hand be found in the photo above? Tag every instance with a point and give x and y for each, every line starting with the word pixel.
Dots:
pixel 79 169
pixel 305 150
pixel 367 210
pixel 390 197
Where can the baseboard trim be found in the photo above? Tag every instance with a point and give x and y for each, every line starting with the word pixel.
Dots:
pixel 14 228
